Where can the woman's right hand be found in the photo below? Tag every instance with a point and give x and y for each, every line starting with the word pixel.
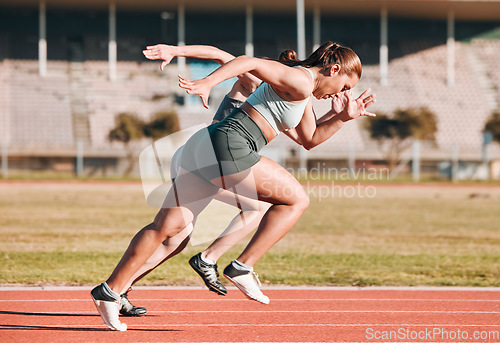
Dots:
pixel 160 52
pixel 196 87
pixel 339 102
pixel 357 107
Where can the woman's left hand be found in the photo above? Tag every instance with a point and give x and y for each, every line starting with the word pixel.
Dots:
pixel 196 87
pixel 356 108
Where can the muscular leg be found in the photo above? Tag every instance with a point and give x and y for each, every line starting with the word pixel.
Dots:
pixel 191 195
pixel 277 186
pixel 188 196
pixel 242 224
pixel 168 249
pixel 272 183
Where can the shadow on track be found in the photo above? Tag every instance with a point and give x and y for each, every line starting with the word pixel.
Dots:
pixel 56 328
pixel 43 314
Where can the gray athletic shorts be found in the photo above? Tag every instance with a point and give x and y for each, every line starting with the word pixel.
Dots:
pixel 226 107
pixel 224 148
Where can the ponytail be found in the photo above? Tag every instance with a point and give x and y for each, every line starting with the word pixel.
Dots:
pixel 288 55
pixel 325 56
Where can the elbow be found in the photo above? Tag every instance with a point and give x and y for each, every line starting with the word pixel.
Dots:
pixel 252 87
pixel 308 145
pixel 243 58
pixel 311 143
pixel 248 85
pixel 247 61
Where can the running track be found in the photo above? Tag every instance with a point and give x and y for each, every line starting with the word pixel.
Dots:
pixel 295 315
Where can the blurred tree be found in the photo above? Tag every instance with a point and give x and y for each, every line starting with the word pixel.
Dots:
pixel 128 127
pixel 162 124
pixel 493 125
pixel 394 134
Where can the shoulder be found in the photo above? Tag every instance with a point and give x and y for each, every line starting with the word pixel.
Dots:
pixel 303 81
pixel 296 82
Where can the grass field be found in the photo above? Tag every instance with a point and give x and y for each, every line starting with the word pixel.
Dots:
pixel 74 233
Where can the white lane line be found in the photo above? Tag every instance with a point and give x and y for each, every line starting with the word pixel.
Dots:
pixel 339 311
pixel 302 300
pixel 270 311
pixel 271 288
pixel 262 325
pixel 332 299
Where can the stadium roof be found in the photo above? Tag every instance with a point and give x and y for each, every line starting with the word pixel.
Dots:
pixel 436 9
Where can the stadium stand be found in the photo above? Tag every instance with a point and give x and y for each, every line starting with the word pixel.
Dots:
pixel 486 53
pixel 419 79
pixel 39 106
pixel 76 101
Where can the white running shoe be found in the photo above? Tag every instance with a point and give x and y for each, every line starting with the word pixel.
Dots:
pixel 108 308
pixel 247 281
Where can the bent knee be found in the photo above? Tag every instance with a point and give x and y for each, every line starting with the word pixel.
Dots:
pixel 169 229
pixel 301 202
pixel 304 203
pixel 170 223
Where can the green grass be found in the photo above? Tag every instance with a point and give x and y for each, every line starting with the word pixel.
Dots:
pixel 74 233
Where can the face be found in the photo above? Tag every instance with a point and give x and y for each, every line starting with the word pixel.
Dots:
pixel 332 83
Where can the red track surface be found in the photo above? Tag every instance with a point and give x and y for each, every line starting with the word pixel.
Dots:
pixel 294 315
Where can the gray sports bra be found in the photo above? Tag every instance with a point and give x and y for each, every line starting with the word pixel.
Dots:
pixel 281 114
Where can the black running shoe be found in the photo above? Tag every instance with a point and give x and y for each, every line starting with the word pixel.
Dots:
pixel 208 273
pixel 129 310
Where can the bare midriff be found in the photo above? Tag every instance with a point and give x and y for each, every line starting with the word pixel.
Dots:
pixel 263 124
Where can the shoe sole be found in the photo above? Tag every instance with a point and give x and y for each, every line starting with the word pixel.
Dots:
pixel 202 275
pixel 103 307
pixel 243 290
pixel 131 314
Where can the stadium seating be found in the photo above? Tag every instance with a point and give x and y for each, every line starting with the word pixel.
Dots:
pixel 77 101
pixel 420 79
pixel 38 108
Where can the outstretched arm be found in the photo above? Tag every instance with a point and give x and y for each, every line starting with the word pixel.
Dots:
pixel 168 52
pixel 312 133
pixel 290 83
